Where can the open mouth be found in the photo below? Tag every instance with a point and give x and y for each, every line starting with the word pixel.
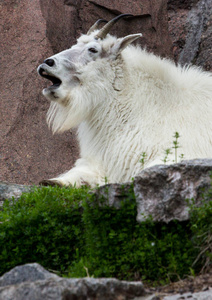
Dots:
pixel 56 82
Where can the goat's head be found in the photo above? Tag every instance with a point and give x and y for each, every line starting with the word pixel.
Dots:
pixel 64 68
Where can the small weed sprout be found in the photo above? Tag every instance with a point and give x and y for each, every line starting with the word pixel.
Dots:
pixel 176 145
pixel 106 180
pixel 167 153
pixel 181 156
pixel 86 269
pixel 143 159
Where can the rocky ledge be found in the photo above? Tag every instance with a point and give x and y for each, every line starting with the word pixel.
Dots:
pixel 161 191
pixel 33 282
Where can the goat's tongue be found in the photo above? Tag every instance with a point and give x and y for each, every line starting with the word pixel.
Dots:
pixel 56 81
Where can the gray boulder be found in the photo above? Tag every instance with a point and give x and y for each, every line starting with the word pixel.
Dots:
pixel 26 273
pixel 161 191
pixel 9 190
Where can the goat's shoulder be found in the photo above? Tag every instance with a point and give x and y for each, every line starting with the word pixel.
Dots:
pixel 139 59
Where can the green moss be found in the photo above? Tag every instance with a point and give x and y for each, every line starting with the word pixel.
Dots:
pixel 69 231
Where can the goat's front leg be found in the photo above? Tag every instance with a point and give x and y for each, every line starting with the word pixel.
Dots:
pixel 85 172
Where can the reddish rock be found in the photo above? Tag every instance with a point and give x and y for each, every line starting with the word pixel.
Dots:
pixel 29 152
pixel 32 31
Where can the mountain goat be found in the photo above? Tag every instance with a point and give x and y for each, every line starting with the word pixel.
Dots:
pixel 125 102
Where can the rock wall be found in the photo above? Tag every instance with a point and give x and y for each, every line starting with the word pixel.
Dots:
pixel 190 27
pixel 27 146
pixel 34 30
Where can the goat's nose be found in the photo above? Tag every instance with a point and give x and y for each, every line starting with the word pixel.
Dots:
pixel 49 62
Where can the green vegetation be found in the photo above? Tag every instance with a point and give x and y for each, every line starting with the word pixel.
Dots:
pixel 70 231
pixel 167 153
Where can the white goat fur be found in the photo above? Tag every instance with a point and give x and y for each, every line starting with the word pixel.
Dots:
pixel 131 103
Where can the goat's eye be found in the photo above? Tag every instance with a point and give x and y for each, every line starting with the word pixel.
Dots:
pixel 93 50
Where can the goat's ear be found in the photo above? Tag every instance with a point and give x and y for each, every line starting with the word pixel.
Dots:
pixel 124 42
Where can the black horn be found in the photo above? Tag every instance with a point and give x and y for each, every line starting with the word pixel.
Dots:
pixel 96 25
pixel 106 29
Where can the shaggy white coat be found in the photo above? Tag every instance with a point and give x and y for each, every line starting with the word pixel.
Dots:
pixel 130 104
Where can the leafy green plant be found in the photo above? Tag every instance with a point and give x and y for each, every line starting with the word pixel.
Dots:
pixel 118 246
pixel 166 155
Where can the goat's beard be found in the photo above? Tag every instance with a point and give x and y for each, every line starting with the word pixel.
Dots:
pixel 67 113
pixel 77 105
